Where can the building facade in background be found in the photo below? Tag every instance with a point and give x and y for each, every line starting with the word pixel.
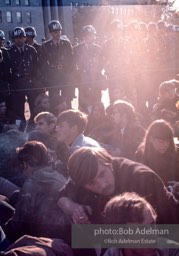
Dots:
pixel 73 14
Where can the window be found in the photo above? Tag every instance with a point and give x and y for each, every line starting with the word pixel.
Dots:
pixel 9 16
pixel 28 17
pixel 7 1
pixel 18 2
pixel 27 2
pixel 19 17
pixel 10 34
pixel 0 16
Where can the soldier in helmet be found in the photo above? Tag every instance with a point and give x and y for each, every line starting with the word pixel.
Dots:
pixel 57 62
pixel 88 60
pixel 30 38
pixel 3 82
pixel 116 59
pixel 21 65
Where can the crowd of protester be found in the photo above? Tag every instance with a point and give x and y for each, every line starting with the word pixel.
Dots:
pixel 93 164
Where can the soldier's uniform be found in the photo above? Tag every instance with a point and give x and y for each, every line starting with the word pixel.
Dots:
pixel 116 60
pixel 3 82
pixel 88 61
pixel 30 40
pixel 57 65
pixel 21 65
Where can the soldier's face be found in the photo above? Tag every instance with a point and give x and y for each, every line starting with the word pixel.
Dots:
pixel 29 40
pixel 1 42
pixel 19 40
pixel 55 35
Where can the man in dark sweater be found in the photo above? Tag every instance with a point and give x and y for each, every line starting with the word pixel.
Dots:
pixel 96 177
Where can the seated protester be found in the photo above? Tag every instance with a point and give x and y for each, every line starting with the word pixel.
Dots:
pixel 96 177
pixel 159 152
pixel 58 104
pixel 70 128
pixel 41 246
pixel 7 188
pixel 36 211
pixel 6 210
pixel 166 107
pixel 128 133
pixel 176 129
pixel 4 243
pixel 62 152
pixel 44 138
pixel 58 157
pixel 97 121
pixel 5 123
pixel 42 103
pixel 46 122
pixel 130 208
pixel 10 168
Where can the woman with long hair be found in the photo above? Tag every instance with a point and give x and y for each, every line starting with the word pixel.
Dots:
pixel 158 151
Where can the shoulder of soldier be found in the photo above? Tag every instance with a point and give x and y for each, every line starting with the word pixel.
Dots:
pixel 47 43
pixel 65 39
pixel 97 46
pixel 37 45
pixel 12 49
pixel 107 42
pixel 3 48
pixel 80 45
pixel 29 48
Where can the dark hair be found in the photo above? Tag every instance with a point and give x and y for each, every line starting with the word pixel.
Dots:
pixel 127 208
pixel 125 107
pixel 73 117
pixel 163 164
pixel 83 164
pixel 160 129
pixel 39 136
pixel 39 99
pixel 168 85
pixel 34 153
pixel 47 116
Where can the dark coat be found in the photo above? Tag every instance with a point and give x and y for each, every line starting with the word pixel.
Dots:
pixel 129 177
pixel 56 62
pixel 129 141
pixel 41 246
pixel 36 212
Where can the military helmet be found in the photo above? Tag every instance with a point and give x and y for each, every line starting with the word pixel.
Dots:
pixel 133 25
pixel 2 35
pixel 176 28
pixel 161 24
pixel 18 31
pixel 88 29
pixel 152 27
pixel 30 31
pixel 54 25
pixel 116 25
pixel 170 28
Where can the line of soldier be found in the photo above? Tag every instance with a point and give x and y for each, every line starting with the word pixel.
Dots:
pixel 133 61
